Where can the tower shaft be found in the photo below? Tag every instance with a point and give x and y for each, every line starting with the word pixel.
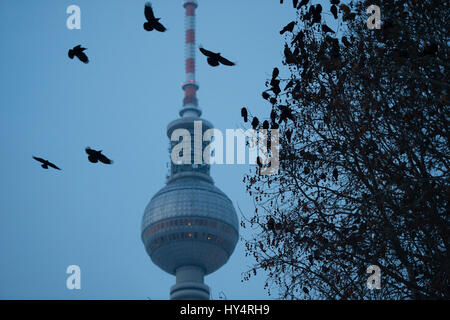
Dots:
pixel 190 87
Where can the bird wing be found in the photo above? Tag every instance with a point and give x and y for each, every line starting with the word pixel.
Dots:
pixel 52 165
pixel 149 15
pixel 104 159
pixel 82 56
pixel 89 151
pixel 77 47
pixel 158 26
pixel 206 52
pixel 39 159
pixel 226 62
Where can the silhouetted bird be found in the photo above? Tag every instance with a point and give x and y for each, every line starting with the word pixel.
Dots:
pixel 265 124
pixel 244 114
pixel 78 52
pixel 45 163
pixel 215 58
pixel 289 27
pixel 265 95
pixel 95 156
pixel 316 12
pixel 152 22
pixel 326 28
pixel 275 73
pixel 334 11
pixel 255 123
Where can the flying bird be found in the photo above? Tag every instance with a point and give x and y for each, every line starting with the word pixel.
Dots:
pixel 214 59
pixel 94 156
pixel 45 163
pixel 289 27
pixel 78 52
pixel 244 114
pixel 152 21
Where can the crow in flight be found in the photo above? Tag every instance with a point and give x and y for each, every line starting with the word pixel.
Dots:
pixel 78 52
pixel 45 163
pixel 215 58
pixel 95 156
pixel 152 22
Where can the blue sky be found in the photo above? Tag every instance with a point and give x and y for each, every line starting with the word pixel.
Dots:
pixel 121 102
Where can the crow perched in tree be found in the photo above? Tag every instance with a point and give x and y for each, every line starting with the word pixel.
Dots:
pixel 244 114
pixel 152 22
pixel 265 124
pixel 275 73
pixel 289 27
pixel 215 58
pixel 78 52
pixel 255 123
pixel 316 12
pixel 45 163
pixel 334 11
pixel 95 156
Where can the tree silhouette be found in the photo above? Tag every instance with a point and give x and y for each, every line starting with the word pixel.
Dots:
pixel 364 157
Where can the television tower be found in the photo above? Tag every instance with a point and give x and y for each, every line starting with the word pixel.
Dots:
pixel 189 228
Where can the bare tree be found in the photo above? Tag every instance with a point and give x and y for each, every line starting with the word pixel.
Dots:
pixel 364 156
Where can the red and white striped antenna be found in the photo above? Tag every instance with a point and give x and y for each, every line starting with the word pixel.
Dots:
pixel 190 87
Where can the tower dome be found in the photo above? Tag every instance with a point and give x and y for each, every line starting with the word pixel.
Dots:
pixel 189 228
